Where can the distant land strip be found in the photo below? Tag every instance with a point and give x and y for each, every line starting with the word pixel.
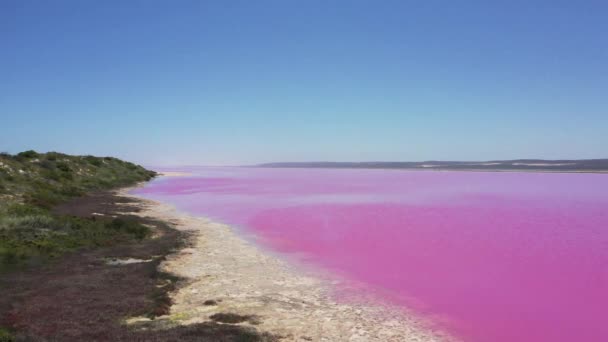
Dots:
pixel 538 165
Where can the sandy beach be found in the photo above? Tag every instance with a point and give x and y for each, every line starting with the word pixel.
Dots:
pixel 174 174
pixel 226 274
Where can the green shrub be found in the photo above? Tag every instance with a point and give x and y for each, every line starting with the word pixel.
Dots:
pixel 47 164
pixel 130 227
pixel 7 177
pixel 52 156
pixel 20 209
pixel 93 160
pixel 71 191
pixel 44 236
pixel 27 223
pixel 51 174
pixel 43 198
pixel 28 154
pixel 6 336
pixel 63 166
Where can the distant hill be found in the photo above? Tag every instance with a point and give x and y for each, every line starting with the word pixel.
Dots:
pixel 583 165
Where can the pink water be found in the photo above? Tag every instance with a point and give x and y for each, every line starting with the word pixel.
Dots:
pixel 486 256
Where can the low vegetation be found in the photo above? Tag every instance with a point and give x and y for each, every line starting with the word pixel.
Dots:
pixel 85 295
pixel 32 183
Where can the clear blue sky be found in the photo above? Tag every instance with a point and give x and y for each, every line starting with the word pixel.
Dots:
pixel 238 82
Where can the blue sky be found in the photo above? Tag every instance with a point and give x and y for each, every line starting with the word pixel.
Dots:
pixel 239 82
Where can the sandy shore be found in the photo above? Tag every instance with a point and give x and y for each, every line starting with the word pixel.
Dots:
pixel 174 174
pixel 227 274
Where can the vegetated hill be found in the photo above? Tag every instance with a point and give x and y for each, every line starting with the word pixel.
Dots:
pixel 45 179
pixel 81 296
pixel 32 183
pixel 583 165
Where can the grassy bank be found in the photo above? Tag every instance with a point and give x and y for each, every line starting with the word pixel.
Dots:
pixel 32 183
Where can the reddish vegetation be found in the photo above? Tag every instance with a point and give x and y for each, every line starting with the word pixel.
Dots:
pixel 81 298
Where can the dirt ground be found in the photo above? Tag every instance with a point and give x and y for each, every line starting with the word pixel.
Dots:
pixel 90 295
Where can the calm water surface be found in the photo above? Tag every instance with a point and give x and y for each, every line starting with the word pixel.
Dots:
pixel 487 256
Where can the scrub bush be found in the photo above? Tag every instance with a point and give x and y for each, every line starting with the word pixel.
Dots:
pixel 28 154
pixel 29 230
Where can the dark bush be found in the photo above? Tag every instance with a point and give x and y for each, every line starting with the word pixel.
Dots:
pixel 130 227
pixel 232 318
pixel 28 154
pixel 52 175
pixel 71 191
pixel 47 164
pixel 67 176
pixel 93 160
pixel 52 156
pixel 6 335
pixel 43 198
pixel 63 167
pixel 20 209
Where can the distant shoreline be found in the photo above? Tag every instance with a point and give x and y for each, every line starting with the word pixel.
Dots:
pixel 434 169
pixel 519 165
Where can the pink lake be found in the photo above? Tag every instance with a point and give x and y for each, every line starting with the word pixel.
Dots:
pixel 485 256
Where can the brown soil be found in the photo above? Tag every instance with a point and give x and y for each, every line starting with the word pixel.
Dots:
pixel 83 298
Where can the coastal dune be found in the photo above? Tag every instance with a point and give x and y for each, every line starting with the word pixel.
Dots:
pixel 230 280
